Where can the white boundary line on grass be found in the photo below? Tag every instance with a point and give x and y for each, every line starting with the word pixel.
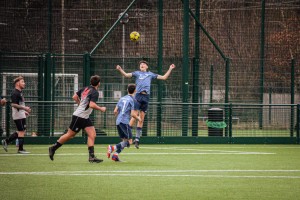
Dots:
pixel 159 153
pixel 142 173
pixel 192 146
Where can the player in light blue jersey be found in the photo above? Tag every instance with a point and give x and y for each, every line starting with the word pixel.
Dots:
pixel 143 80
pixel 124 111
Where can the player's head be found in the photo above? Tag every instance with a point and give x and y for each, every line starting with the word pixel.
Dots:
pixel 144 65
pixel 95 80
pixel 131 88
pixel 19 82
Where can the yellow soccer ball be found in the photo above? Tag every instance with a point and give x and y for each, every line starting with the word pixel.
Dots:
pixel 134 36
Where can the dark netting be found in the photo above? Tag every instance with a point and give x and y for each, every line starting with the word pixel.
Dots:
pixel 55 47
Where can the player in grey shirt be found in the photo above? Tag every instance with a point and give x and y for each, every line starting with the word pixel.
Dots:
pixel 19 114
pixel 86 99
pixel 143 79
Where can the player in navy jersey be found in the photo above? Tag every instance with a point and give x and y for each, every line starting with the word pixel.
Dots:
pixel 143 80
pixel 124 110
pixel 86 99
pixel 19 114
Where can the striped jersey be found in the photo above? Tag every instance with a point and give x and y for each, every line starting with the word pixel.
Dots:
pixel 86 95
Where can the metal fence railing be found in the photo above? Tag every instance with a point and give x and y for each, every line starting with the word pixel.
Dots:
pixel 177 120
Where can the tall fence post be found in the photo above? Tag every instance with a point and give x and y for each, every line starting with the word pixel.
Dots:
pixel 262 61
pixel 227 81
pixel 41 68
pixel 230 122
pixel 47 94
pixel 185 67
pixel 211 84
pixel 159 64
pixel 196 95
pixel 298 123
pixel 292 97
pixel 53 70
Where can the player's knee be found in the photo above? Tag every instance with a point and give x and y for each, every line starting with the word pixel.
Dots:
pixel 92 135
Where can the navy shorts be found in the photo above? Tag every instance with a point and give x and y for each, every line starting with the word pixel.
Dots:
pixel 142 101
pixel 124 131
pixel 79 123
pixel 21 124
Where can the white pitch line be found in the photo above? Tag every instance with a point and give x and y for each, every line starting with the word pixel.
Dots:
pixel 162 153
pixel 160 171
pixel 197 150
pixel 192 146
pixel 144 175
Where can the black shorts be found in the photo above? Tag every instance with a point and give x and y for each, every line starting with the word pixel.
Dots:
pixel 124 131
pixel 21 124
pixel 79 123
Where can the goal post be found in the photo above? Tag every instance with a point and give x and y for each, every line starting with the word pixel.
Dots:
pixel 64 83
pixel 64 87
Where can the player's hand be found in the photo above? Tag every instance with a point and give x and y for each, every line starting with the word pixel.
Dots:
pixel 115 112
pixel 118 67
pixel 3 101
pixel 26 113
pixel 139 119
pixel 172 66
pixel 103 109
pixel 27 109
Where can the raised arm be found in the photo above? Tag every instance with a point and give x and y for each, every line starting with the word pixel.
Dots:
pixel 167 74
pixel 127 75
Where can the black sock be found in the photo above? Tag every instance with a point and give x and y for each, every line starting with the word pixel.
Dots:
pixel 91 151
pixel 56 146
pixel 21 143
pixel 12 137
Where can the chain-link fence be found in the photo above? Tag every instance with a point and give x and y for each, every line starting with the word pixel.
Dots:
pixel 224 51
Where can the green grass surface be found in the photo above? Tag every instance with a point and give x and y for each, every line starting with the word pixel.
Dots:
pixel 154 172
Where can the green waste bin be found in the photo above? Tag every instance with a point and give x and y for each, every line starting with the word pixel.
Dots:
pixel 215 122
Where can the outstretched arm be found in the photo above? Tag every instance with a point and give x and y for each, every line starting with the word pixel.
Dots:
pixel 167 74
pixel 127 75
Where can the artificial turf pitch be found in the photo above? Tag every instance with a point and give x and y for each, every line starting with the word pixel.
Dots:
pixel 153 172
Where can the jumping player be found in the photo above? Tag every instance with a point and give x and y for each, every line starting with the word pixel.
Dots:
pixel 143 80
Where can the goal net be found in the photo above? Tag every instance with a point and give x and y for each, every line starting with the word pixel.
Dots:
pixel 63 88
